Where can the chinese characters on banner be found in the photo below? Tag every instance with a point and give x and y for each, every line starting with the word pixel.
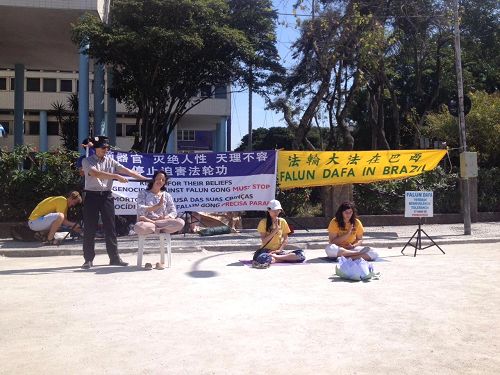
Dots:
pixel 318 168
pixel 208 182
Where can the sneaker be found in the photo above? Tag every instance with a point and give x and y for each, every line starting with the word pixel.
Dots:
pixel 118 262
pixel 88 264
pixel 148 266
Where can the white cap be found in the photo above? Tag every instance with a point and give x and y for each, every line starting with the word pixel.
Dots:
pixel 274 205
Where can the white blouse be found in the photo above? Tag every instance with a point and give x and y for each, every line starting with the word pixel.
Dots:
pixel 146 199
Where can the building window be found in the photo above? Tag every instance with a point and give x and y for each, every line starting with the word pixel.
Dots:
pixel 52 128
pixel 206 91
pixel 66 85
pixel 130 130
pixel 5 125
pixel 3 83
pixel 33 84
pixel 119 130
pixel 49 85
pixel 185 135
pixel 34 128
pixel 220 92
pixel 12 84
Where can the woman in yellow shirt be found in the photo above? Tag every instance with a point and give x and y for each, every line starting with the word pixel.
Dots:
pixel 274 235
pixel 345 233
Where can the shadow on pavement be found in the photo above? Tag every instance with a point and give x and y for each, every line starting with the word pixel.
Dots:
pixel 37 271
pixel 201 274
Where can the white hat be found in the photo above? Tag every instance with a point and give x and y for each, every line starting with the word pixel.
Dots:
pixel 274 205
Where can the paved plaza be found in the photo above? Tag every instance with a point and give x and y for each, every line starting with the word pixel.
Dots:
pixel 210 314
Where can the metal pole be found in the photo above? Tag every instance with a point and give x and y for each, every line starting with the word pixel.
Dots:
pixel 250 91
pixel 461 118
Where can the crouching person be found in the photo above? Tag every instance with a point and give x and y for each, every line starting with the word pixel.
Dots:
pixel 345 234
pixel 51 213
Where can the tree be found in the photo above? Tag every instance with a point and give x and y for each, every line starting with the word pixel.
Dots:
pixel 163 52
pixel 482 126
pixel 277 138
pixel 67 119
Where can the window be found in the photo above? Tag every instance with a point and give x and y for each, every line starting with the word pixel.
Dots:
pixel 3 83
pixel 206 91
pixel 34 128
pixel 12 84
pixel 49 85
pixel 52 128
pixel 32 84
pixel 119 130
pixel 66 85
pixel 185 135
pixel 220 92
pixel 5 125
pixel 130 130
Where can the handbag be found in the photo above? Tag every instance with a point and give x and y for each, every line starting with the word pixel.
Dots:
pixel 261 258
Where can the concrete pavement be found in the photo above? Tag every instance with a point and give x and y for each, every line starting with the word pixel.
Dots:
pixel 247 240
pixel 210 314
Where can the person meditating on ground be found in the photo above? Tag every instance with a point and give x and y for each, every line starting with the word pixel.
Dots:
pixel 274 235
pixel 156 210
pixel 50 214
pixel 345 233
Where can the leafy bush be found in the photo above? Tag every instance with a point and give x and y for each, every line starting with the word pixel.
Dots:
pixel 388 197
pixel 28 177
pixel 487 190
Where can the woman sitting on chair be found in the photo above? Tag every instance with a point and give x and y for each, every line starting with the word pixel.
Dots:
pixel 156 210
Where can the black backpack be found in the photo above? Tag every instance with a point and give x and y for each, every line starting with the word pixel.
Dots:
pixel 21 232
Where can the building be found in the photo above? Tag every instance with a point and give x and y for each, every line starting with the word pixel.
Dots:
pixel 37 52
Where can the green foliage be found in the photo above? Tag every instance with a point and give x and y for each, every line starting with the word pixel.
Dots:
pixel 482 126
pixel 297 202
pixel 277 138
pixel 163 52
pixel 67 118
pixel 487 191
pixel 28 177
pixel 388 197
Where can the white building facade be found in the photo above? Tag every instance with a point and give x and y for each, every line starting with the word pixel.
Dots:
pixel 37 52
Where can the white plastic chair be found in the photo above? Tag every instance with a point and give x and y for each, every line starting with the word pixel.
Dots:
pixel 163 237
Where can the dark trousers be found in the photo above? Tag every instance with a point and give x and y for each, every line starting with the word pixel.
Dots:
pixel 95 203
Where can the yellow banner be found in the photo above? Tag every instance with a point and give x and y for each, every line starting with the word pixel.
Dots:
pixel 319 168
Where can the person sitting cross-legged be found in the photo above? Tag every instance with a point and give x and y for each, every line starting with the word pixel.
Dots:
pixel 156 210
pixel 345 233
pixel 50 214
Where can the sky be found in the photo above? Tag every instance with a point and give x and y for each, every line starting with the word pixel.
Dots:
pixel 286 34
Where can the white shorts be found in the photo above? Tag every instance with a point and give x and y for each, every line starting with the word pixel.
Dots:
pixel 332 251
pixel 43 222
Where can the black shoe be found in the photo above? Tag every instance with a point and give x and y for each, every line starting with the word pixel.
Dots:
pixel 88 264
pixel 118 262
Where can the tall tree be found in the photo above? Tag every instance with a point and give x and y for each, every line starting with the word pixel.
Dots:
pixel 163 52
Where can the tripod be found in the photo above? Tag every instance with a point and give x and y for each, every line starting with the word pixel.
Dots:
pixel 418 236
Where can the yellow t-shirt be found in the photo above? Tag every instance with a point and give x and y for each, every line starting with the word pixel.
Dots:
pixel 277 240
pixel 334 228
pixel 49 205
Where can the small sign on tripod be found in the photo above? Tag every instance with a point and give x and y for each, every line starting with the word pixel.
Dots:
pixel 419 204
